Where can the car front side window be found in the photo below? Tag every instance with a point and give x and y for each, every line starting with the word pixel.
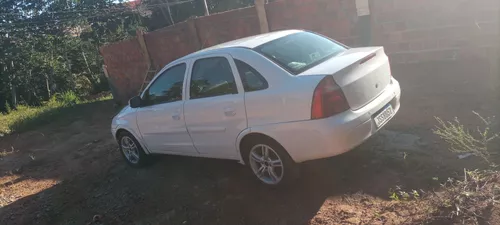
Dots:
pixel 167 87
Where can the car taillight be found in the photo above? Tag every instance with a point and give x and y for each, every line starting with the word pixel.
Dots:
pixel 328 99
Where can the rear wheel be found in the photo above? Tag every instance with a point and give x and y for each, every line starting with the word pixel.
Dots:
pixel 132 151
pixel 270 163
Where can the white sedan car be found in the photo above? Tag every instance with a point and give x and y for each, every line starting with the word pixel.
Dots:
pixel 269 101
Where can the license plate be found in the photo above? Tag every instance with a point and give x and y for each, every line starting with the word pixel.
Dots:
pixel 385 115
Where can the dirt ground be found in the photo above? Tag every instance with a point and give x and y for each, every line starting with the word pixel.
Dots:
pixel 71 172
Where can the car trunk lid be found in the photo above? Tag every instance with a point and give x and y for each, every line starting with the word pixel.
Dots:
pixel 361 73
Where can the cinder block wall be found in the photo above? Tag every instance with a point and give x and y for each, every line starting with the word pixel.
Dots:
pixel 427 30
pixel 443 52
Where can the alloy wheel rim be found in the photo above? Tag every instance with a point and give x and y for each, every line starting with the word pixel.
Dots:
pixel 130 150
pixel 266 164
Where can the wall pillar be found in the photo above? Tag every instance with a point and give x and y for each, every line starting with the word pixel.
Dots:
pixel 364 22
pixel 140 38
pixel 260 6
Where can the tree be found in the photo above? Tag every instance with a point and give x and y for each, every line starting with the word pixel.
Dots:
pixel 182 10
pixel 54 45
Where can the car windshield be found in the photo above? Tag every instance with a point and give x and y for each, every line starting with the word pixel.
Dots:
pixel 300 51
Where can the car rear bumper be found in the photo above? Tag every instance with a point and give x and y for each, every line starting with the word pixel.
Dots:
pixel 316 139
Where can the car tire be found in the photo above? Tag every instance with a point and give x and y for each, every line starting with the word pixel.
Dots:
pixel 283 172
pixel 132 151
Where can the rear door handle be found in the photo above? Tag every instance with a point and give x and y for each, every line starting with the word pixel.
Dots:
pixel 229 111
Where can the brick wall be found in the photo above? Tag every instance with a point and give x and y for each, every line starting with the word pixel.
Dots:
pixel 126 66
pixel 427 30
pixel 410 30
pixel 333 18
pixel 170 43
pixel 227 26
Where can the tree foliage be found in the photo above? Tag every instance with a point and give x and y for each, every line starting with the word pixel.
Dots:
pixel 52 46
pixel 182 10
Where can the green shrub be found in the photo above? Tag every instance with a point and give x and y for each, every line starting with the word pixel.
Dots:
pixel 462 140
pixel 68 98
pixel 465 201
pixel 7 107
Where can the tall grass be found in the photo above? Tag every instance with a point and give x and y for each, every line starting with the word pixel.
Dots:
pixel 61 105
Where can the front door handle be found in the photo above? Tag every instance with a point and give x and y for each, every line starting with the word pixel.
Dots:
pixel 229 111
pixel 176 117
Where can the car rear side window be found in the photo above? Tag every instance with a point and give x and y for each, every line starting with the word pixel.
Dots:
pixel 251 79
pixel 167 87
pixel 300 51
pixel 212 77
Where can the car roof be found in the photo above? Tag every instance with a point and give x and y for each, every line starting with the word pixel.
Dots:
pixel 254 41
pixel 248 42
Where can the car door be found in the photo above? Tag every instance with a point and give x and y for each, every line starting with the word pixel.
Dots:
pixel 215 111
pixel 160 120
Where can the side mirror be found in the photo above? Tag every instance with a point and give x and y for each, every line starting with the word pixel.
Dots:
pixel 135 102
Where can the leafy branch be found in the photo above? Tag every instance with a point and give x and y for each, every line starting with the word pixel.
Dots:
pixel 462 140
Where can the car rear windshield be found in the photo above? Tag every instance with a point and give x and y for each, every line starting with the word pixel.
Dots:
pixel 300 51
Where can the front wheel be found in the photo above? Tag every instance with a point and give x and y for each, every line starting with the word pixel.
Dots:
pixel 132 151
pixel 271 164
